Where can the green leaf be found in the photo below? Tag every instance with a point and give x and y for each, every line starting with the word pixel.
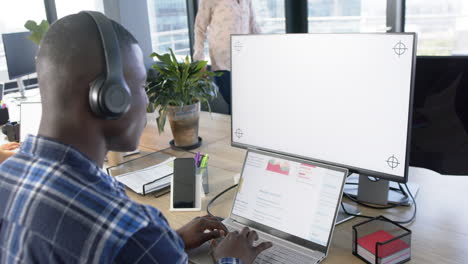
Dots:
pixel 30 25
pixel 161 120
pixel 37 31
pixel 150 108
pixel 179 83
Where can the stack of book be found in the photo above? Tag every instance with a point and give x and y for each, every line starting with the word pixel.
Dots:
pixel 393 251
pixel 149 179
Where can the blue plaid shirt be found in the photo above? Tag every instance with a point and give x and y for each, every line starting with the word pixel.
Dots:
pixel 57 206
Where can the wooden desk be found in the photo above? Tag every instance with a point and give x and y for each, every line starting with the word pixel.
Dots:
pixel 440 233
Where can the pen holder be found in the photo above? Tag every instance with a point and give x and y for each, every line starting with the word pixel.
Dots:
pixel 4 116
pixel 380 240
pixel 12 131
pixel 202 173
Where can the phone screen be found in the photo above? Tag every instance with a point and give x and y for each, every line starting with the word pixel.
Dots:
pixel 184 183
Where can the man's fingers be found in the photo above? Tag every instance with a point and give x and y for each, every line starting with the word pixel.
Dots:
pixel 263 246
pixel 245 231
pixel 211 235
pixel 213 244
pixel 212 224
pixel 252 236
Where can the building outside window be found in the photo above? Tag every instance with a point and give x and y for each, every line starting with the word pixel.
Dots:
pixel 270 15
pixel 13 16
pixel 343 16
pixel 168 25
pixel 442 26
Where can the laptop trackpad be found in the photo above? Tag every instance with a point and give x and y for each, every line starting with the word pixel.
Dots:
pixel 200 255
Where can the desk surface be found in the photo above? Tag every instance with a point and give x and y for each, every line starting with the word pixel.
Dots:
pixel 440 232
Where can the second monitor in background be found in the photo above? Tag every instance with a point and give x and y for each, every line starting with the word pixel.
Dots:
pixel 341 99
pixel 20 53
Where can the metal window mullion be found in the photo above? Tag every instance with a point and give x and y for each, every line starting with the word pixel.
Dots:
pixel 296 16
pixel 396 15
pixel 192 9
pixel 51 11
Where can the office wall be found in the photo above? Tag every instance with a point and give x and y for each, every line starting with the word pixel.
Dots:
pixel 134 16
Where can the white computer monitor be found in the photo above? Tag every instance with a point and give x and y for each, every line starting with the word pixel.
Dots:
pixel 30 118
pixel 341 99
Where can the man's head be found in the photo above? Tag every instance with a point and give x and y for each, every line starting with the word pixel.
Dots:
pixel 69 59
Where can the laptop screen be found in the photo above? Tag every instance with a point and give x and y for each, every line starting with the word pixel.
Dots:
pixel 296 197
pixel 30 119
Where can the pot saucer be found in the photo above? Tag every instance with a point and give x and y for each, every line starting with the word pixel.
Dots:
pixel 194 146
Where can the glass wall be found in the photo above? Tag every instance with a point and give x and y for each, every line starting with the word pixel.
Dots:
pixel 270 15
pixel 168 25
pixel 13 16
pixel 442 26
pixel 337 16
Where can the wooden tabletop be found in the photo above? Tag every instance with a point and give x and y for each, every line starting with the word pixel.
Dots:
pixel 440 232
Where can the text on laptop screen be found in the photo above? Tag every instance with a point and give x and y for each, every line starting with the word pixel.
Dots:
pixel 342 99
pixel 293 197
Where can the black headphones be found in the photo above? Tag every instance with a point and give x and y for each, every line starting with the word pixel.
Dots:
pixel 109 95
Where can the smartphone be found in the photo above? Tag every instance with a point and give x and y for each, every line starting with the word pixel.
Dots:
pixel 183 195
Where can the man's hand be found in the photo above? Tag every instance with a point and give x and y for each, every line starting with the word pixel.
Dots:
pixel 200 230
pixel 10 146
pixel 239 246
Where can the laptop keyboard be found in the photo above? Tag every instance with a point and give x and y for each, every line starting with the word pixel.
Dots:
pixel 278 254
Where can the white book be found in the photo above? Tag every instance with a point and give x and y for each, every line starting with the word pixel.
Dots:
pixel 391 259
pixel 155 177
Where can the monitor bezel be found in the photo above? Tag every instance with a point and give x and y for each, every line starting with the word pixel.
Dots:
pixel 281 234
pixel 353 169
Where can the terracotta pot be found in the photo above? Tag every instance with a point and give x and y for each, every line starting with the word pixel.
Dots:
pixel 184 124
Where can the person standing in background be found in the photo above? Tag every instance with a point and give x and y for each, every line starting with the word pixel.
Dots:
pixel 220 19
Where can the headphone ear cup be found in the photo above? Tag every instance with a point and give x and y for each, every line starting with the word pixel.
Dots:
pixel 115 100
pixel 94 96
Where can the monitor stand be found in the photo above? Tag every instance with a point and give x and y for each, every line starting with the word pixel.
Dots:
pixel 21 88
pixel 377 191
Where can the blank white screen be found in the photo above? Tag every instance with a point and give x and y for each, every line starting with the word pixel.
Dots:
pixel 339 98
pixel 30 119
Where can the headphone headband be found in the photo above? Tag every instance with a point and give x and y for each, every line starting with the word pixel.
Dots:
pixel 110 45
pixel 109 95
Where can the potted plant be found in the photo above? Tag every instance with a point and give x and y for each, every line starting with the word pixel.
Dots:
pixel 176 91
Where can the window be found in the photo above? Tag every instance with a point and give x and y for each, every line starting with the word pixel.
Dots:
pixel 13 16
pixel 442 26
pixel 168 25
pixel 270 15
pixel 67 7
pixel 330 16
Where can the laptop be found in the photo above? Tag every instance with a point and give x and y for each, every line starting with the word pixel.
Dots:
pixel 289 201
pixel 30 119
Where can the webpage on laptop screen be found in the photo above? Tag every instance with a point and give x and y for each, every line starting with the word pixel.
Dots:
pixel 293 197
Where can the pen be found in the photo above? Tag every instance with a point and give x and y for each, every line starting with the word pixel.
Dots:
pixel 197 160
pixel 204 161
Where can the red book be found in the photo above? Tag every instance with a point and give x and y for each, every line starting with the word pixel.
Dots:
pixel 368 242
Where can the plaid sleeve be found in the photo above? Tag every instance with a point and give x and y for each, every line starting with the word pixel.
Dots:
pixel 230 261
pixel 153 244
